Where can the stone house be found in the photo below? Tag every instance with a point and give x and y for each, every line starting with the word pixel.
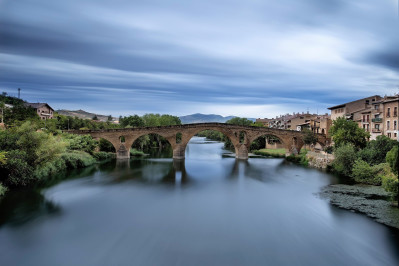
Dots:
pixel 43 110
pixel 390 110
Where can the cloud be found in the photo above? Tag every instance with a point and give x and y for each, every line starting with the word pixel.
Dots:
pixel 204 56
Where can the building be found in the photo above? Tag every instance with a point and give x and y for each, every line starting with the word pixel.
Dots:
pixel 377 115
pixel 299 121
pixel 390 110
pixel 43 110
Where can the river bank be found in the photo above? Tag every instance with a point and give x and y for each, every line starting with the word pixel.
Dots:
pixel 370 200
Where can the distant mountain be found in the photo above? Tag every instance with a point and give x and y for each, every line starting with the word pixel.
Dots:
pixel 84 115
pixel 201 118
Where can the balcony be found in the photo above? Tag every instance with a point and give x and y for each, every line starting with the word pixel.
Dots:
pixel 377 120
pixel 376 130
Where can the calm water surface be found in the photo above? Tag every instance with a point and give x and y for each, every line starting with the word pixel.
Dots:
pixel 209 210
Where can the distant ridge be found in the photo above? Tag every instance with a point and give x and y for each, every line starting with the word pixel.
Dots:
pixel 186 119
pixel 84 115
pixel 202 118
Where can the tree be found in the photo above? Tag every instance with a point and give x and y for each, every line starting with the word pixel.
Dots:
pixel 240 121
pixel 109 118
pixel 345 157
pixel 2 106
pixel 392 159
pixel 95 118
pixel 376 150
pixel 347 132
pixel 309 137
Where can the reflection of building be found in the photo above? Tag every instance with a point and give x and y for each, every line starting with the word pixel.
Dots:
pixel 43 110
pixel 377 115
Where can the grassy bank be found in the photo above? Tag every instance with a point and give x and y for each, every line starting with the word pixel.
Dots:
pixel 277 153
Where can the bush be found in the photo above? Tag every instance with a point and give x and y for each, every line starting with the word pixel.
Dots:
pixel 299 159
pixel 3 190
pixel 329 149
pixel 17 172
pixel 362 172
pixel 81 143
pixel 392 159
pixel 345 157
pixel 77 159
pixel 50 168
pixel 390 184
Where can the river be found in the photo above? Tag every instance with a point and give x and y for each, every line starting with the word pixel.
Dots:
pixel 210 209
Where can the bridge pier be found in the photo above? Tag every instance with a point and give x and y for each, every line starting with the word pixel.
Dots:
pixel 241 152
pixel 179 151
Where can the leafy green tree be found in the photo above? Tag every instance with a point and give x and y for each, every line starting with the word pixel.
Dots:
pixel 345 157
pixel 309 137
pixel 109 118
pixel 133 121
pixel 95 118
pixel 241 121
pixel 376 150
pixel 347 132
pixel 392 159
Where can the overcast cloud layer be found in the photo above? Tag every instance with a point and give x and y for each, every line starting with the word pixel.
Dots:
pixel 255 58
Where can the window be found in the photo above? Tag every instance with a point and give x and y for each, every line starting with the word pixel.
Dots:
pixel 367 102
pixel 389 135
pixel 377 126
pixel 388 122
pixel 376 107
pixel 364 118
pixel 389 112
pixel 368 118
pixel 394 125
pixel 395 135
pixel 377 116
pixel 395 111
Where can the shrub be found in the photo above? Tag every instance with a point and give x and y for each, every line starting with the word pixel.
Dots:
pixel 77 159
pixel 345 157
pixel 362 172
pixel 3 189
pixel 390 184
pixel 81 143
pixel 50 168
pixel 392 159
pixel 17 172
pixel 329 149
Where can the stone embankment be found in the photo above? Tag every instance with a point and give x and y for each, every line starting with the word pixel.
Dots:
pixel 320 159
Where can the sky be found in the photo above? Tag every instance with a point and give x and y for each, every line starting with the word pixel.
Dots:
pixel 253 58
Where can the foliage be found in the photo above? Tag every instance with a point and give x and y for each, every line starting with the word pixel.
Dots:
pixel 102 156
pixel 81 143
pixel 17 171
pixel 376 150
pixel 362 172
pixel 345 157
pixel 329 149
pixel 240 121
pixel 95 118
pixel 392 158
pixel 3 157
pixel 309 137
pixel 279 153
pixel 134 152
pixel 390 184
pixel 3 189
pixel 105 145
pixel 299 159
pixel 347 132
pixel 77 159
pixel 133 121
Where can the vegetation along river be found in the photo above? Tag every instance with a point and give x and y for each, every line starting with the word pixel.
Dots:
pixel 210 209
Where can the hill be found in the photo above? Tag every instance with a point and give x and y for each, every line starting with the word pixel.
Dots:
pixel 84 115
pixel 202 118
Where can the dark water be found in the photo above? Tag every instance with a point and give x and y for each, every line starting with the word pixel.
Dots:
pixel 208 210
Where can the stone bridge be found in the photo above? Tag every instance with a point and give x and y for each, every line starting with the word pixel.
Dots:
pixel 122 139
